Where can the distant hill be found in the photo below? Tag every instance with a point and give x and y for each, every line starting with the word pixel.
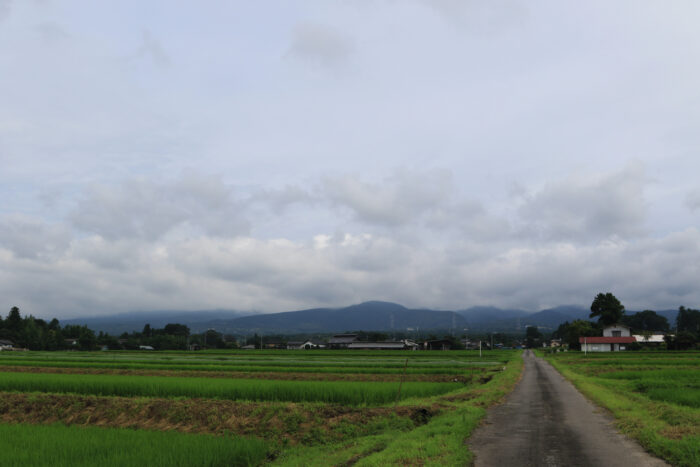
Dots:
pixel 367 316
pixel 135 320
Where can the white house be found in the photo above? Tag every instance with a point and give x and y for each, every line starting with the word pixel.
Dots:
pixel 302 345
pixel 5 344
pixel 615 338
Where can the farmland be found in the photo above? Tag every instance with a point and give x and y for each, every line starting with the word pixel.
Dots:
pixel 655 396
pixel 247 407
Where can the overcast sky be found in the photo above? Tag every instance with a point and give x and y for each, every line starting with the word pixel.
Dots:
pixel 281 155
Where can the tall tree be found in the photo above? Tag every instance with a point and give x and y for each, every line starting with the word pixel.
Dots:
pixel 607 308
pixel 646 320
pixel 688 320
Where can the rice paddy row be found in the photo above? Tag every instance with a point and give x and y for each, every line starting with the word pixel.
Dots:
pixel 362 398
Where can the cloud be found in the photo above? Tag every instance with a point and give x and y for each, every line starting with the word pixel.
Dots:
pixel 398 200
pixel 588 209
pixel 97 275
pixel 52 32
pixel 320 45
pixel 692 200
pixel 278 200
pixel 28 237
pixel 5 9
pixel 152 49
pixel 148 210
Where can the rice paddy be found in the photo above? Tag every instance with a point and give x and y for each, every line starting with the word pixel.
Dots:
pixel 242 407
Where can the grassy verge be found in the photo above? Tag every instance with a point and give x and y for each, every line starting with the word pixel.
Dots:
pixel 439 442
pixel 668 430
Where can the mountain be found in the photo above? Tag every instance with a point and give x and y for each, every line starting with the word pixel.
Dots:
pixel 367 316
pixel 135 320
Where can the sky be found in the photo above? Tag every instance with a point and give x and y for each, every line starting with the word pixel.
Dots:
pixel 271 156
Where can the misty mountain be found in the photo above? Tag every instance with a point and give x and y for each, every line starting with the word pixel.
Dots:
pixel 135 320
pixel 367 316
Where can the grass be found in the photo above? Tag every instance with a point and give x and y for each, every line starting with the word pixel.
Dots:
pixel 338 392
pixel 70 446
pixel 652 402
pixel 440 442
pixel 303 422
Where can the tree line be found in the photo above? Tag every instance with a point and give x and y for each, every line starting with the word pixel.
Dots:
pixel 609 310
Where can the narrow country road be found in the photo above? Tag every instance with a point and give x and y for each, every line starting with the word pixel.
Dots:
pixel 545 421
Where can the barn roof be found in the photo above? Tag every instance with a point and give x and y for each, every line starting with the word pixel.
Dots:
pixel 607 340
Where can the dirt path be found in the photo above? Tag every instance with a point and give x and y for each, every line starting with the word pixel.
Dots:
pixel 545 421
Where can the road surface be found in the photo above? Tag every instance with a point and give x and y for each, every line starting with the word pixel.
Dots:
pixel 545 421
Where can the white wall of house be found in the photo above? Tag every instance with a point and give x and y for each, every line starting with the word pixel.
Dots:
pixel 617 330
pixel 602 347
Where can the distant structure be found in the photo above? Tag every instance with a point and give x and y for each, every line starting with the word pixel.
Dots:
pixel 341 341
pixel 390 345
pixel 615 338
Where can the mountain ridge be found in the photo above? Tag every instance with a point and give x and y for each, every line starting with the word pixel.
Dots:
pixel 367 316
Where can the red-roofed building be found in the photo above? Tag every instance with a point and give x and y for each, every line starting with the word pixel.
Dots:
pixel 614 338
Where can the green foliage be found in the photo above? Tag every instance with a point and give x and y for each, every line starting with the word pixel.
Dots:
pixel 570 332
pixel 646 320
pixel 71 446
pixel 533 337
pixel 607 308
pixel 339 392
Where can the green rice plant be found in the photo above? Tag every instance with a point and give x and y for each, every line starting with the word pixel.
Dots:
pixel 338 392
pixel 72 446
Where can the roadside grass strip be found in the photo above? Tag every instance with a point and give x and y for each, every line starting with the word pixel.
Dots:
pixel 338 392
pixel 440 442
pixel 71 446
pixel 658 407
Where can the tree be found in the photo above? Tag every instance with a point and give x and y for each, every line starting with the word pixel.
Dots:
pixel 533 337
pixel 607 308
pixel 688 320
pixel 569 333
pixel 14 320
pixel 646 320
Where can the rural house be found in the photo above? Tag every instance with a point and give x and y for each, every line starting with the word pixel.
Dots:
pixel 5 344
pixel 341 341
pixel 393 345
pixel 308 344
pixel 615 338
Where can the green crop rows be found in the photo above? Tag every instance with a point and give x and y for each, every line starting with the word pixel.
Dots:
pixel 217 408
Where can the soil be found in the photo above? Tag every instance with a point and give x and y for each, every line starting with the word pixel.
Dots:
pixel 274 375
pixel 291 423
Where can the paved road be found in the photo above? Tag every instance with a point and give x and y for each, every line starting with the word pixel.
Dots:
pixel 545 421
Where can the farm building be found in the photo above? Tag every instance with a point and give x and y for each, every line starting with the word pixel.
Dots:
pixel 615 338
pixel 394 345
pixel 5 344
pixel 307 344
pixel 341 341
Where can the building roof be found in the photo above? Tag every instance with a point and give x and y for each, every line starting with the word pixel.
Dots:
pixel 342 339
pixel 377 345
pixel 652 339
pixel 5 342
pixel 607 340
